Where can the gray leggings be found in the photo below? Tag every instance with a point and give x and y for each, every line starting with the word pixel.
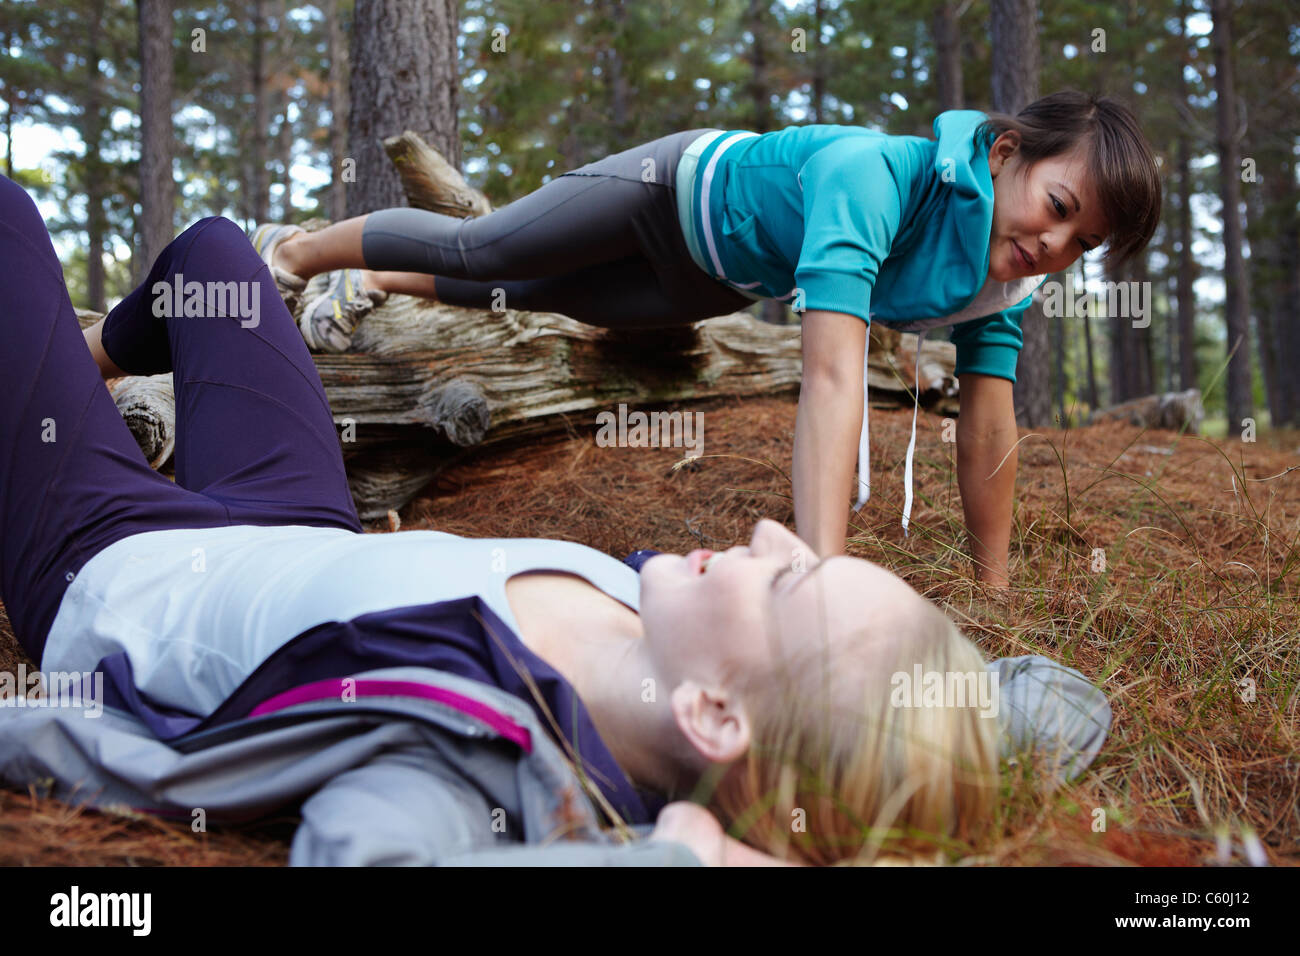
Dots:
pixel 597 244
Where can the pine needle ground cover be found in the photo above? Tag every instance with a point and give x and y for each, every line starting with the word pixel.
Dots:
pixel 1164 567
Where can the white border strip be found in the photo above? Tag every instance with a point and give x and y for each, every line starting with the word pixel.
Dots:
pixel 704 199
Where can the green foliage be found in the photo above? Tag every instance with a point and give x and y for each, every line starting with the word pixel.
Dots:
pixel 548 87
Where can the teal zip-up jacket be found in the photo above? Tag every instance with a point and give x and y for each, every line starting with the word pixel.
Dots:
pixel 847 219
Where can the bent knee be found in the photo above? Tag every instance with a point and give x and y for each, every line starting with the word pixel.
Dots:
pixel 216 227
pixel 18 209
pixel 216 233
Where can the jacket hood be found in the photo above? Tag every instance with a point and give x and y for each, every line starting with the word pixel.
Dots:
pixel 964 171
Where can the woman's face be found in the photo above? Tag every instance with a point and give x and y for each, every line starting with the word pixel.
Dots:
pixel 709 615
pixel 1048 212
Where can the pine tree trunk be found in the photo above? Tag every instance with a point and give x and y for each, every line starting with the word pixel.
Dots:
pixel 1056 344
pixel 92 135
pixel 403 77
pixel 947 56
pixel 1093 403
pixel 760 90
pixel 1264 268
pixel 338 78
pixel 615 75
pixel 284 152
pixel 1236 306
pixel 1171 319
pixel 1144 379
pixel 1186 264
pixel 817 50
pixel 9 114
pixel 1122 386
pixel 1014 29
pixel 284 132
pixel 157 188
pixel 1186 270
pixel 1284 302
pixel 259 136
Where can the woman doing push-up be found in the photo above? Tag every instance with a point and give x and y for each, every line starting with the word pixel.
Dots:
pixel 845 224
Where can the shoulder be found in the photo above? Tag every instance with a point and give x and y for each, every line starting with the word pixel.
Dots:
pixel 856 156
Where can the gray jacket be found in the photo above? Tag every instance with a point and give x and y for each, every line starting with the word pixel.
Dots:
pixel 392 780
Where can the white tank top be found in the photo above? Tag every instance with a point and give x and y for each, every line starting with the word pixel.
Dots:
pixel 197 610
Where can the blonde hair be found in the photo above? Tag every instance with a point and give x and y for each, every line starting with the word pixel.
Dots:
pixel 836 773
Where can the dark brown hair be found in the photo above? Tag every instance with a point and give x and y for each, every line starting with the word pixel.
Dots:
pixel 1121 164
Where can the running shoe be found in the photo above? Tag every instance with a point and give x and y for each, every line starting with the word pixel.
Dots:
pixel 265 239
pixel 331 316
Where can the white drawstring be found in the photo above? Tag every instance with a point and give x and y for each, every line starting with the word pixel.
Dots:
pixel 911 445
pixel 864 443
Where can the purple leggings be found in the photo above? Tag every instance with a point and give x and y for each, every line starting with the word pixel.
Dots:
pixel 255 441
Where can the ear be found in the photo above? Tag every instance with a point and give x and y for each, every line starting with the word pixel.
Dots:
pixel 1002 149
pixel 712 719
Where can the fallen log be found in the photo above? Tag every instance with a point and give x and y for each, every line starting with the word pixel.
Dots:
pixel 1170 410
pixel 148 407
pixel 405 410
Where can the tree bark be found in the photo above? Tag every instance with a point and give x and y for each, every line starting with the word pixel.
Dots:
pixel 403 77
pixel 338 79
pixel 1236 306
pixel 760 90
pixel 1014 29
pixel 93 135
pixel 616 78
pixel 1144 380
pixel 1186 269
pixel 157 188
pixel 285 132
pixel 1264 269
pixel 947 55
pixel 1284 318
pixel 1087 342
pixel 1120 366
pixel 1056 344
pixel 9 100
pixel 259 136
pixel 1186 264
pixel 760 93
pixel 817 50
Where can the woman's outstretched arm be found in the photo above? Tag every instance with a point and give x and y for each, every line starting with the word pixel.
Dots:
pixel 986 439
pixel 827 427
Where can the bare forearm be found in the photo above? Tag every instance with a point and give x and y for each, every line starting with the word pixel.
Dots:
pixel 825 444
pixel 827 427
pixel 986 477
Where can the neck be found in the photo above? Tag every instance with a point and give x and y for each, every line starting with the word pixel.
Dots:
pixel 605 660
